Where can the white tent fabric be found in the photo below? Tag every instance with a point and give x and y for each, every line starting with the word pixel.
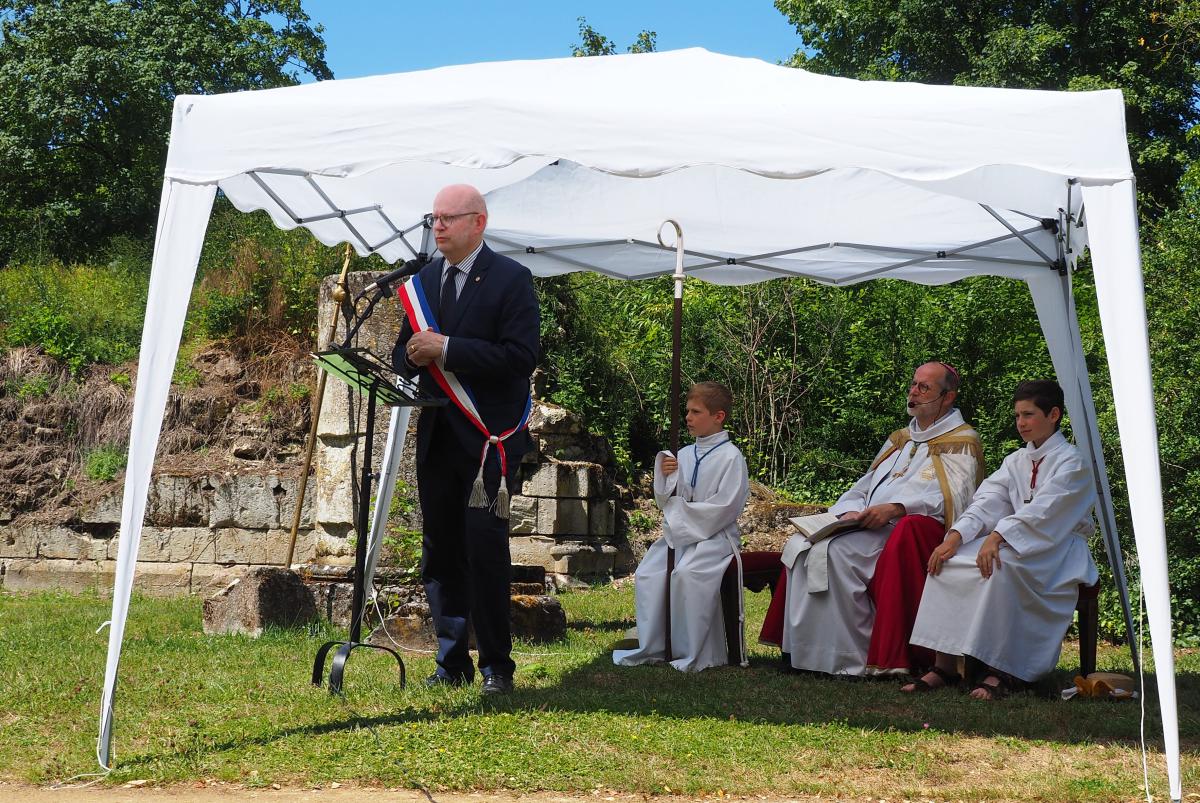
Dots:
pixel 770 171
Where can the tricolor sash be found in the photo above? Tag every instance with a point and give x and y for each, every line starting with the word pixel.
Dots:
pixel 420 318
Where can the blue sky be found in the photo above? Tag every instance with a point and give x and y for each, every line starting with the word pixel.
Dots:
pixel 369 37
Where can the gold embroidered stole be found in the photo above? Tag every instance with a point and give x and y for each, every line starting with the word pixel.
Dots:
pixel 963 439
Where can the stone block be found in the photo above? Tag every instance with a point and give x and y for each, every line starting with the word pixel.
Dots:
pixel 76 576
pixel 565 480
pixel 538 618
pixel 105 511
pixel 162 579
pixel 410 631
pixel 562 517
pixel 602 517
pixel 177 501
pixel 584 559
pixel 333 602
pixel 534 550
pixel 332 490
pixel 522 515
pixel 285 492
pixel 176 545
pixel 62 543
pixel 18 542
pixel 534 617
pixel 211 578
pixel 266 547
pixel 245 501
pixel 263 597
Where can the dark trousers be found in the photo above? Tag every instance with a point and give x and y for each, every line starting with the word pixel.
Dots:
pixel 465 561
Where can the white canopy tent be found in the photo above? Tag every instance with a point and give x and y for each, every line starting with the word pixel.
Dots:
pixel 772 172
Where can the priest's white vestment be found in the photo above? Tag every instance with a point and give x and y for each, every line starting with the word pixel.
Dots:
pixel 700 501
pixel 829 614
pixel 1015 620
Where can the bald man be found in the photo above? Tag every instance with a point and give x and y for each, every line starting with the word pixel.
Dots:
pixel 483 333
pixel 836 595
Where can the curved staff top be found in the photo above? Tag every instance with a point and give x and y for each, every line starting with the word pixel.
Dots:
pixel 420 318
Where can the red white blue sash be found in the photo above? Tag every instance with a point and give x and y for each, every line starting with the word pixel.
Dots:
pixel 420 318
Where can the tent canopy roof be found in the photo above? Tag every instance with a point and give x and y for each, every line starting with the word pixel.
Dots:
pixel 583 159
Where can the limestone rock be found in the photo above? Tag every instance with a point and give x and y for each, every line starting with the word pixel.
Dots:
pixel 539 618
pixel 261 598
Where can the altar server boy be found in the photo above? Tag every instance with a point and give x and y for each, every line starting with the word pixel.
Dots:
pixel 701 493
pixel 1004 583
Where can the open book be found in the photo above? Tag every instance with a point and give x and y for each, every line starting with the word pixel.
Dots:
pixel 819 526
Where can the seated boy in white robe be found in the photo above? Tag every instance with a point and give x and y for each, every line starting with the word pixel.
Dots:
pixel 701 493
pixel 1007 598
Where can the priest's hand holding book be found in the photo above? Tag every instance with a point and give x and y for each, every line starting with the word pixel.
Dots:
pixel 875 516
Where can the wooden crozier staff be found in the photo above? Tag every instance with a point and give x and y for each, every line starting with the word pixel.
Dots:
pixel 339 295
pixel 676 347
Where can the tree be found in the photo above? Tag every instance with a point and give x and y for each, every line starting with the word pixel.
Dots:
pixel 86 88
pixel 593 43
pixel 1149 49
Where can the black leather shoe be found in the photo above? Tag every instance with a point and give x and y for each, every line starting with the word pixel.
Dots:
pixel 435 680
pixel 497 684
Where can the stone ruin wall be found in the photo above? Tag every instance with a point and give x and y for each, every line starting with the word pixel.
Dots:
pixel 202 530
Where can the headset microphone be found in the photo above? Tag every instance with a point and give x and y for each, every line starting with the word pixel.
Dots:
pixel 934 400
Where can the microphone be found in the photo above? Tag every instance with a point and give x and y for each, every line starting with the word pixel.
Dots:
pixel 913 405
pixel 385 282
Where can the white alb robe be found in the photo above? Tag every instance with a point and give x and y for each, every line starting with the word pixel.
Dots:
pixel 1015 620
pixel 700 524
pixel 827 625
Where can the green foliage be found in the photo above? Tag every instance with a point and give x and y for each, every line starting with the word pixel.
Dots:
pixel 403 544
pixel 33 386
pixel 1149 49
pixel 593 43
pixel 254 278
pixel 86 90
pixel 104 462
pixel 79 314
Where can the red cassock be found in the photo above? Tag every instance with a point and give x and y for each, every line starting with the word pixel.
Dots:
pixel 895 587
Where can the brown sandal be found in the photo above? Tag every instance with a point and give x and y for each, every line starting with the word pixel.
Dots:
pixel 921 686
pixel 1006 684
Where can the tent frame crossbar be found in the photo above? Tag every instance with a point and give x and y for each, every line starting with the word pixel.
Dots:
pixel 553 252
pixel 335 212
pixel 752 261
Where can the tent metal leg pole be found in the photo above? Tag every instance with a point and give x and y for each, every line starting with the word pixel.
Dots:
pixel 1108 522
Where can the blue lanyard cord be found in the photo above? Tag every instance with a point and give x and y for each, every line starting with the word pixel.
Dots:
pixel 700 459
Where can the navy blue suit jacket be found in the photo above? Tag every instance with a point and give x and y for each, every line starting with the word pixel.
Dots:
pixel 493 348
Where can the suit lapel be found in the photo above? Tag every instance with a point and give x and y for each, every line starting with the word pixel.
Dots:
pixel 475 278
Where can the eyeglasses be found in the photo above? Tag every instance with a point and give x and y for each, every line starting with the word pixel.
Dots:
pixel 446 220
pixel 922 387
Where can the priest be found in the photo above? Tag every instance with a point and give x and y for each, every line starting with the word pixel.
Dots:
pixel 921 476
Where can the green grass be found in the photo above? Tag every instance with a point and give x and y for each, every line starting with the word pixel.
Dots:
pixel 191 706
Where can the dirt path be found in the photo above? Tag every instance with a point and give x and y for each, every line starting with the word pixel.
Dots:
pixel 234 793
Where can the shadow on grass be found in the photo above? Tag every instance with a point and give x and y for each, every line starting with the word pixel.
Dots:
pixel 757 695
pixel 762 694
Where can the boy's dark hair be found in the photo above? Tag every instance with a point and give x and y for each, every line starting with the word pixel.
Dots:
pixel 1046 394
pixel 714 396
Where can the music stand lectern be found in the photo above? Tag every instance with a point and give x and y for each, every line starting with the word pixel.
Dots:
pixel 361 369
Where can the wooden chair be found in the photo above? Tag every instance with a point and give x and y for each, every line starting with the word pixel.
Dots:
pixel 761 570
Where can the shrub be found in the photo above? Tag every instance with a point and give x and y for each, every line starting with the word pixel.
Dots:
pixel 104 462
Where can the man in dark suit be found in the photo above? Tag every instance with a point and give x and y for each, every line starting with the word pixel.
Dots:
pixel 486 312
